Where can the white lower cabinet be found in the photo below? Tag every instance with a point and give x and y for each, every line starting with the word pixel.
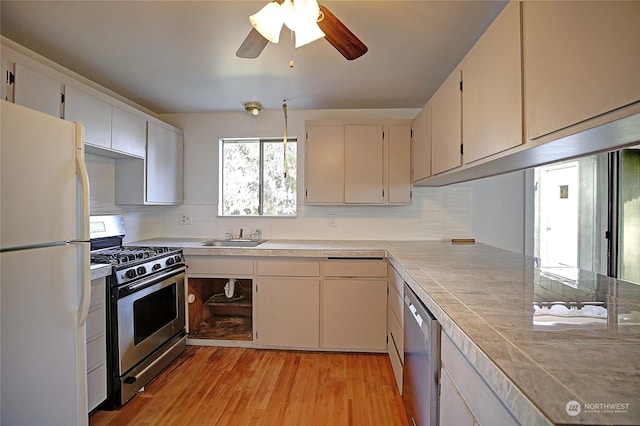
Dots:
pixel 351 314
pixel 354 304
pixel 465 398
pixel 97 345
pixel 395 325
pixel 287 294
pixel 287 312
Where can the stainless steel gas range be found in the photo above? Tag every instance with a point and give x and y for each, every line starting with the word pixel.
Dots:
pixel 146 308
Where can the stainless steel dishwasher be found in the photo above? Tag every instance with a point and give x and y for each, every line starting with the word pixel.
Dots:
pixel 421 362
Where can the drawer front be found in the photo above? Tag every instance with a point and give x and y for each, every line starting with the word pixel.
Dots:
pixel 396 364
pixel 288 268
pixel 227 266
pixel 96 387
pixel 96 323
pixel 96 352
pixel 396 335
pixel 98 295
pixel 396 280
pixel 396 305
pixel 355 268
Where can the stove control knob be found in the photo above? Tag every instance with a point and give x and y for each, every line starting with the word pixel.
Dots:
pixel 131 273
pixel 141 270
pixel 170 261
pixel 156 266
pixel 178 258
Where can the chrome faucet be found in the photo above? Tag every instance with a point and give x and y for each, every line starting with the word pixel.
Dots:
pixel 228 236
pixel 256 235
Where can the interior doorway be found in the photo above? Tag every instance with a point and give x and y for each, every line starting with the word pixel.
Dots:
pixel 558 209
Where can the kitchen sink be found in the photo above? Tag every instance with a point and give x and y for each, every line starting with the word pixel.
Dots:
pixel 232 243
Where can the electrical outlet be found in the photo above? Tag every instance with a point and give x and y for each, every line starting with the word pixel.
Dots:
pixel 185 219
pixel 332 220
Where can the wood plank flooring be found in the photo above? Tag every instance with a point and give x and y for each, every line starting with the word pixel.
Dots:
pixel 241 386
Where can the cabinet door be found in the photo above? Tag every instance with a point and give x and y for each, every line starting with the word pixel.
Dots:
pixel 164 167
pixel 421 144
pixel 446 125
pixel 363 174
pixel 399 164
pixel 93 113
pixel 288 312
pixel 36 91
pixel 354 314
pixel 492 89
pixel 128 133
pixel 581 60
pixel 324 164
pixel 453 409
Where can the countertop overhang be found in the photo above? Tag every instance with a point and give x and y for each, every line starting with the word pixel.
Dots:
pixel 521 326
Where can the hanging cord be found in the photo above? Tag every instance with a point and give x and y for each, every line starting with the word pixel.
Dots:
pixel 291 51
pixel 284 140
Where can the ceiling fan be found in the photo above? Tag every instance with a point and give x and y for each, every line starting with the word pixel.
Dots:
pixel 336 33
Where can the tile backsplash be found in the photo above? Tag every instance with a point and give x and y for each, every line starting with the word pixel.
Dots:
pixel 435 213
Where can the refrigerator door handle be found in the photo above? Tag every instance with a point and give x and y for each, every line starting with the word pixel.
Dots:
pixel 83 174
pixel 83 219
pixel 85 300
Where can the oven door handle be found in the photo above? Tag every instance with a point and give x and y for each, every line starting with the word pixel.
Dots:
pixel 158 278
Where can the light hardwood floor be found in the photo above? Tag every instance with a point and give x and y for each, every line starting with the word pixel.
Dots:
pixel 239 386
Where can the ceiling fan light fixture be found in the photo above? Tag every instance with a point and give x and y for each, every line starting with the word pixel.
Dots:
pixel 253 108
pixel 301 17
pixel 268 21
pixel 305 35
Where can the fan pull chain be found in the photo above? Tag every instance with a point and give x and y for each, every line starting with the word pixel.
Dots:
pixel 291 51
pixel 284 140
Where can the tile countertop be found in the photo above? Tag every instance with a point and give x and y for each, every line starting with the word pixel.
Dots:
pixel 495 306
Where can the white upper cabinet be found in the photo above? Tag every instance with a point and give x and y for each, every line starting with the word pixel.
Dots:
pixel 399 191
pixel 421 144
pixel 157 179
pixel 363 165
pixel 492 89
pixel 355 163
pixel 93 113
pixel 324 164
pixel 164 171
pixel 446 125
pixel 35 90
pixel 581 61
pixel 128 132
pixel 107 127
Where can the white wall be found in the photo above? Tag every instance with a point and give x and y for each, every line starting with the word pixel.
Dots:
pixel 435 213
pixel 502 211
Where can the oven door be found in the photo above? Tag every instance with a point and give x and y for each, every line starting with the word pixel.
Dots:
pixel 149 317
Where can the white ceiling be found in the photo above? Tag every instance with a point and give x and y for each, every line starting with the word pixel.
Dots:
pixel 179 56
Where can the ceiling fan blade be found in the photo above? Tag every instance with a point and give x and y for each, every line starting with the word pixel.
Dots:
pixel 252 46
pixel 340 37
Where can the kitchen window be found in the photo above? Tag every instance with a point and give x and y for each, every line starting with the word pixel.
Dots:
pixel 258 177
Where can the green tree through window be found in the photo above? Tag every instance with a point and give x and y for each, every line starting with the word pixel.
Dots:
pixel 253 179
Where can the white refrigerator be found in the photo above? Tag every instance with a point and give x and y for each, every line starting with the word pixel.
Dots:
pixel 44 269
